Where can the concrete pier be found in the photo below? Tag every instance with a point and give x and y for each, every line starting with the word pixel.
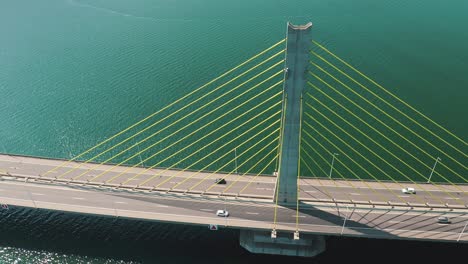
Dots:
pixel 284 244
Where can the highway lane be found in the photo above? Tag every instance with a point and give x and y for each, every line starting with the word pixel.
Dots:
pixel 247 214
pixel 246 186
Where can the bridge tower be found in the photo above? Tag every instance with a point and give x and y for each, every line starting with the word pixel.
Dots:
pixel 297 59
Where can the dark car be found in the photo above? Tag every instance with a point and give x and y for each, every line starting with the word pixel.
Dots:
pixel 220 181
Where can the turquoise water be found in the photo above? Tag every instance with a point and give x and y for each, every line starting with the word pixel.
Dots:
pixel 75 72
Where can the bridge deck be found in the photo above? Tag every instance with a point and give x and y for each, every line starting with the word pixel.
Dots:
pixel 248 186
pixel 372 222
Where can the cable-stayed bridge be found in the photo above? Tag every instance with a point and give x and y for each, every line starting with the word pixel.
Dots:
pixel 308 145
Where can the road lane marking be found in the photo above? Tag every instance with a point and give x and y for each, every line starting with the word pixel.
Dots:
pixel 207 210
pixel 121 202
pixel 163 206
pixel 38 194
pixel 56 188
pixel 199 217
pixel 451 198
pixel 403 196
pixel 310 191
pixel 78 198
pixel 355 193
pixel 265 189
pixel 52 163
pixel 300 216
pixel 393 222
pixel 45 187
pixel 251 213
pixel 309 182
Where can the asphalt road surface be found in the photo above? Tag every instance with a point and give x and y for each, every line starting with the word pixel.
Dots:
pixel 373 222
pixel 249 186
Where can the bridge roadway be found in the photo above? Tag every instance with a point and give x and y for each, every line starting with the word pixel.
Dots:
pixel 249 186
pixel 256 214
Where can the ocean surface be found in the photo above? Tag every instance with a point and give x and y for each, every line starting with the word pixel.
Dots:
pixel 75 72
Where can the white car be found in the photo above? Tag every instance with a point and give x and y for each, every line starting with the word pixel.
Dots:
pixel 222 213
pixel 443 220
pixel 408 190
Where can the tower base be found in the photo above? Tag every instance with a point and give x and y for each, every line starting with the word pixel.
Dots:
pixel 284 244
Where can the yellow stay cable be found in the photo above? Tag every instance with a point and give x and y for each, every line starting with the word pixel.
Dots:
pixel 375 154
pixel 385 113
pixel 191 133
pixel 375 142
pixel 313 174
pixel 240 165
pixel 224 155
pixel 283 115
pixel 249 170
pixel 164 108
pixel 337 171
pixel 344 165
pixel 328 163
pixel 388 92
pixel 206 135
pixel 258 174
pixel 180 119
pixel 387 103
pixel 380 121
pixel 357 152
pixel 164 118
pixel 299 164
pixel 232 140
pixel 367 124
pixel 324 173
pixel 321 168
pixel 177 131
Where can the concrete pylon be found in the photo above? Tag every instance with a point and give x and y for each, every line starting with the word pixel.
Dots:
pixel 297 59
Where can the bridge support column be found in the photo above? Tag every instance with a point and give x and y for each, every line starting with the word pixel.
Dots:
pixel 261 242
pixel 297 59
